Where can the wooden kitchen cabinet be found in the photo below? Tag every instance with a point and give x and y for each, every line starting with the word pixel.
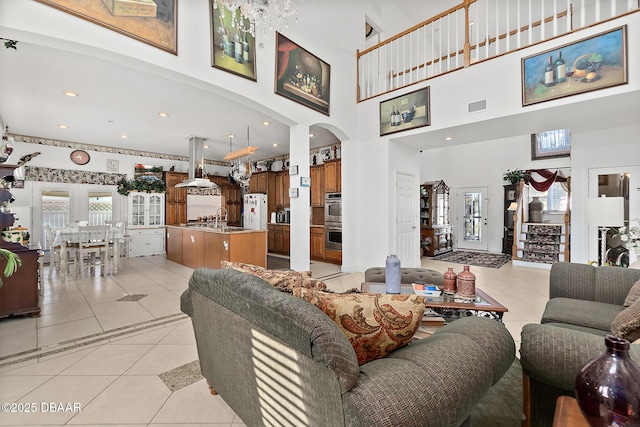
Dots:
pixel 249 248
pixel 317 243
pixel 282 190
pixel 317 185
pixel 215 249
pixel 265 183
pixel 233 203
pixel 174 244
pixel 333 176
pixel 176 198
pixel 193 248
pixel 19 292
pixel 278 239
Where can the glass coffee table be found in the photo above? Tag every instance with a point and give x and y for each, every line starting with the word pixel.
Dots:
pixel 449 306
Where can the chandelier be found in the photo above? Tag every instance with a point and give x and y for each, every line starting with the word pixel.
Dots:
pixel 262 15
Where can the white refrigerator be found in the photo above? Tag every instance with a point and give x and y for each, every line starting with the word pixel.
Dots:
pixel 255 211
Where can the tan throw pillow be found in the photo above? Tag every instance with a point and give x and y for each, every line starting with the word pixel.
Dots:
pixel 283 280
pixel 627 323
pixel 375 324
pixel 634 294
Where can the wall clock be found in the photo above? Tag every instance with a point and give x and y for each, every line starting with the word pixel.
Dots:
pixel 80 157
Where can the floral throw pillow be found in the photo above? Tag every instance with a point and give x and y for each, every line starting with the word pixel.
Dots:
pixel 283 280
pixel 375 324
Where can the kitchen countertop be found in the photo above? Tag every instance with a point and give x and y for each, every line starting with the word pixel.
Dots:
pixel 228 230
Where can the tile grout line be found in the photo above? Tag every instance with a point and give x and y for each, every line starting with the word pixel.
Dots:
pixel 87 340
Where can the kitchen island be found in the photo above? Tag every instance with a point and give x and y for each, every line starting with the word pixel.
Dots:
pixel 203 246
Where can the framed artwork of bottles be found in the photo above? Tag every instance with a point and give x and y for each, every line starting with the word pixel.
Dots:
pixel 404 112
pixel 153 23
pixel 593 63
pixel 301 76
pixel 233 48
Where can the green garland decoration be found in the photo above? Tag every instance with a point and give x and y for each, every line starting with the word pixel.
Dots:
pixel 148 184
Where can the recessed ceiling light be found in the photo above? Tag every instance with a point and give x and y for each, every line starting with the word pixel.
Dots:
pixel 266 123
pixel 63 126
pixel 448 138
pixel 69 93
pixel 163 114
pixel 275 144
pixel 205 146
pixel 311 135
pixel 123 136
pixel 231 135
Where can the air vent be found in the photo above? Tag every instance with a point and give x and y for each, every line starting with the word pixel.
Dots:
pixel 478 106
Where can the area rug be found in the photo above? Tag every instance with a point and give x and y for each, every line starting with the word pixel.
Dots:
pixel 478 259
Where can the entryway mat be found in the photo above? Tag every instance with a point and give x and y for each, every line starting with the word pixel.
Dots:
pixel 478 259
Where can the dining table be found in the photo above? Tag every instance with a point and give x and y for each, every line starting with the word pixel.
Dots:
pixel 71 235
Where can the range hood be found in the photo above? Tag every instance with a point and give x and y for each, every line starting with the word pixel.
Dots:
pixel 196 165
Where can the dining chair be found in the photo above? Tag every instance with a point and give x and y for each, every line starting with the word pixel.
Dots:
pixel 54 252
pixel 93 247
pixel 119 225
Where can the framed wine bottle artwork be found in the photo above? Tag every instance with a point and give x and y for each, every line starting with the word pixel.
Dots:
pixel 593 63
pixel 233 47
pixel 405 112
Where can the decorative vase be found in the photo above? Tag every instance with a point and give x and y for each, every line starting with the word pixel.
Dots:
pixel 608 387
pixel 535 210
pixel 450 282
pixel 466 284
pixel 392 274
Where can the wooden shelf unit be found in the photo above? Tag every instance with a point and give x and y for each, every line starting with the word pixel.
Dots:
pixel 435 230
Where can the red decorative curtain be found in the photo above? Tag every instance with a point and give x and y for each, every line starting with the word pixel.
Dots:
pixel 548 178
pixel 284 47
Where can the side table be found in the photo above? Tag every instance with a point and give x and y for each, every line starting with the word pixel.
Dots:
pixel 568 413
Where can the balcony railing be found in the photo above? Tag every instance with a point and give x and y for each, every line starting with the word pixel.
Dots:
pixel 474 31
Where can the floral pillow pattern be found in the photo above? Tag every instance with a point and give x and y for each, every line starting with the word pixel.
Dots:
pixel 627 323
pixel 283 280
pixel 375 324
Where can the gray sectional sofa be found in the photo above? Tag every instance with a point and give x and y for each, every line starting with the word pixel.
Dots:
pixel 278 360
pixel 583 302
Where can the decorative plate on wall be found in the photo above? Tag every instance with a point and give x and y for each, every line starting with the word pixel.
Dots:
pixel 80 157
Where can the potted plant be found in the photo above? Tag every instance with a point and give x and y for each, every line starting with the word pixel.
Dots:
pixel 13 262
pixel 149 184
pixel 514 176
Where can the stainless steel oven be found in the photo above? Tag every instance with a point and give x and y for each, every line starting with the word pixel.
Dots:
pixel 333 208
pixel 333 237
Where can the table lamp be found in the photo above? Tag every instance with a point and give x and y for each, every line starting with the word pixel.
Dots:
pixel 605 212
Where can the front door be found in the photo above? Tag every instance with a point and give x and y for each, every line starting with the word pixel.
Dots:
pixel 472 214
pixel 407 241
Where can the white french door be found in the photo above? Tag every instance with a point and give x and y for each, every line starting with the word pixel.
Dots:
pixel 407 241
pixel 472 214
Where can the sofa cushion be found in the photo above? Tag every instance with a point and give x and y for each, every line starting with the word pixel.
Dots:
pixel 407 275
pixel 281 279
pixel 375 324
pixel 627 324
pixel 591 314
pixel 634 294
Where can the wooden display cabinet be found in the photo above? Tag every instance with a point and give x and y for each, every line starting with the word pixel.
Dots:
pixel 435 230
pixel 510 195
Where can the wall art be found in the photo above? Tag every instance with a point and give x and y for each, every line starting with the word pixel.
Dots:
pixel 301 76
pixel 405 112
pixel 233 48
pixel 150 21
pixel 592 63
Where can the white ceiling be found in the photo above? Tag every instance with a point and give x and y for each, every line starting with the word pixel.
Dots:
pixel 115 99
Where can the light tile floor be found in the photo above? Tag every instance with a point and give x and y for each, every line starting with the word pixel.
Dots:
pixel 101 358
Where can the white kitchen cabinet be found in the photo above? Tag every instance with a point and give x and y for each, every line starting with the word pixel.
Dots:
pixel 146 224
pixel 146 241
pixel 146 209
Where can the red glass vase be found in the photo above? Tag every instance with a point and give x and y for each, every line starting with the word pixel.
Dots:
pixel 608 387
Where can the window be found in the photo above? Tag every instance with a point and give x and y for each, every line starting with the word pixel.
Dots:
pixel 553 200
pixel 100 207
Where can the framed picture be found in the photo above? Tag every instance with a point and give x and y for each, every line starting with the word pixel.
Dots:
pixel 150 21
pixel 405 112
pixel 112 165
pixel 550 144
pixel 19 183
pixel 301 76
pixel 147 170
pixel 589 64
pixel 233 48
